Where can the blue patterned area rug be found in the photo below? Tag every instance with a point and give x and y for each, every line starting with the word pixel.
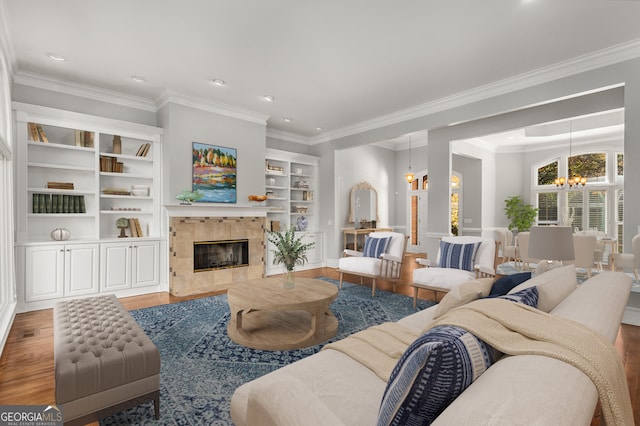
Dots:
pixel 201 367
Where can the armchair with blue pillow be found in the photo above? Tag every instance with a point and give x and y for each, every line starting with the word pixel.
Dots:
pixel 381 257
pixel 460 259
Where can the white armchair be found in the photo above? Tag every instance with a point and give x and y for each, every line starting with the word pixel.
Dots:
pixel 460 264
pixel 629 261
pixel 584 249
pixel 523 251
pixel 507 247
pixel 385 264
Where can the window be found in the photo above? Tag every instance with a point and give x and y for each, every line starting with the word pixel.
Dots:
pixel 619 218
pixel 455 204
pixel 414 220
pixel 585 207
pixel 593 166
pixel 548 208
pixel 619 166
pixel 547 174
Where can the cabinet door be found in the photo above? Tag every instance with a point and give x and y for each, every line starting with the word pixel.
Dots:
pixel 81 269
pixel 145 262
pixel 44 273
pixel 314 255
pixel 115 266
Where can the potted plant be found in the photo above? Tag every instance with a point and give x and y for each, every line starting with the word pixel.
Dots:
pixel 289 250
pixel 521 215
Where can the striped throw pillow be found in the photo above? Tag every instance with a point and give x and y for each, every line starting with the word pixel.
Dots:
pixel 458 256
pixel 374 247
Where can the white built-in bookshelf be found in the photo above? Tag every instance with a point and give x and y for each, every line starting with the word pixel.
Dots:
pixel 84 173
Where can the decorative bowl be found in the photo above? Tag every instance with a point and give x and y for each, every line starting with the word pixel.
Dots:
pixel 258 198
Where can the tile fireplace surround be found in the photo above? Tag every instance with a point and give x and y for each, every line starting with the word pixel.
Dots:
pixel 188 224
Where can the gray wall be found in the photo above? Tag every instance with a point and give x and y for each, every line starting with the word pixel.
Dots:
pixel 366 164
pixel 184 125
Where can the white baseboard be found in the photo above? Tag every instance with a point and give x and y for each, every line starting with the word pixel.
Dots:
pixel 7 315
pixel 631 316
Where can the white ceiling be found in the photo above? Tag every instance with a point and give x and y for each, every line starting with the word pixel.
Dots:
pixel 332 64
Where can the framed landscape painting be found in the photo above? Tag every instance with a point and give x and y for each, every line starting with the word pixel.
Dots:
pixel 214 173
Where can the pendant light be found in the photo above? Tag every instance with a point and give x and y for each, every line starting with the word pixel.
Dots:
pixel 409 175
pixel 572 182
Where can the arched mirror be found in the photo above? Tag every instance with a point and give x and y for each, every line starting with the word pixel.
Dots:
pixel 364 204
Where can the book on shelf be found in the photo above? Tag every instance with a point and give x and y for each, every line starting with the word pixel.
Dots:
pixel 35 202
pixel 143 150
pixel 138 227
pixel 83 138
pixel 76 204
pixel 47 203
pixel 42 208
pixel 43 136
pixel 110 164
pixel 60 185
pixel 115 191
pixel 83 208
pixel 132 227
pixel 36 133
pixel 60 202
pixel 88 139
pixel 33 132
pixel 54 203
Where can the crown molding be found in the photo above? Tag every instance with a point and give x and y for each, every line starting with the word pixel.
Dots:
pixel 45 82
pixel 288 136
pixel 212 106
pixel 577 65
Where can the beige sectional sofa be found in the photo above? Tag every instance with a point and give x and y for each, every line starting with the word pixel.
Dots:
pixel 331 388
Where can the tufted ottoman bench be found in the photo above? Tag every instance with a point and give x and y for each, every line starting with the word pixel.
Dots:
pixel 104 362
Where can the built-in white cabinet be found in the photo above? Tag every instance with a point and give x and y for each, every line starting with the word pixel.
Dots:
pixel 55 271
pixel 129 264
pixel 291 184
pixel 100 179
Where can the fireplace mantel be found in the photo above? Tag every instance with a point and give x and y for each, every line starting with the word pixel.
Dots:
pixel 215 210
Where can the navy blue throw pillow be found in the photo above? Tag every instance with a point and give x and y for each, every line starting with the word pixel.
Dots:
pixel 505 284
pixel 436 368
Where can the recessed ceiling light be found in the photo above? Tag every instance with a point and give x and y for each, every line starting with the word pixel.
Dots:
pixel 287 119
pixel 218 82
pixel 318 128
pixel 268 98
pixel 138 79
pixel 56 57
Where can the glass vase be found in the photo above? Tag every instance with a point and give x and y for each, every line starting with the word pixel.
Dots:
pixel 289 278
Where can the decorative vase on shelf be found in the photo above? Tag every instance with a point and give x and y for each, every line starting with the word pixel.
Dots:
pixel 60 234
pixel 302 223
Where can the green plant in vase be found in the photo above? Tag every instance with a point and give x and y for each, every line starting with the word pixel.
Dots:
pixel 289 251
pixel 520 215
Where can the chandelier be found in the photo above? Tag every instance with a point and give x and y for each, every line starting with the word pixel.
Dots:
pixel 409 175
pixel 572 182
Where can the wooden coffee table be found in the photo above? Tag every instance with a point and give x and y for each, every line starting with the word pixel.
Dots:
pixel 266 315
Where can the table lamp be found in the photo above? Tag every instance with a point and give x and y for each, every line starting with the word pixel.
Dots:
pixel 551 244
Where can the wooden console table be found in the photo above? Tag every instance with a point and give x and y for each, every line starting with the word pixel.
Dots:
pixel 357 232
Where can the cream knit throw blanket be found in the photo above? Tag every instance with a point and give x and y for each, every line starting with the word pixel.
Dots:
pixel 516 329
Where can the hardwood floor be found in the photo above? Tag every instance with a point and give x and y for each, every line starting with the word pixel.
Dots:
pixel 26 365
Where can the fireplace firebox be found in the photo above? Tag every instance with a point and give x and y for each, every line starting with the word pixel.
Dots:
pixel 211 255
